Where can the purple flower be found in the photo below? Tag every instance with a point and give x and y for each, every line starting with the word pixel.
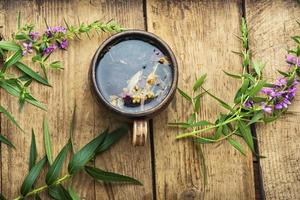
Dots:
pixel 27 48
pixel 34 35
pixel 56 29
pixel 281 82
pixel 266 109
pixel 293 60
pixel 248 103
pixel 63 44
pixel 49 49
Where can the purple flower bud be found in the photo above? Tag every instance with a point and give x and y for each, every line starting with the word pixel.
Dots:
pixel 49 49
pixel 278 106
pixel 266 109
pixel 34 35
pixel 248 103
pixel 281 82
pixel 56 29
pixel 293 60
pixel 27 48
pixel 63 44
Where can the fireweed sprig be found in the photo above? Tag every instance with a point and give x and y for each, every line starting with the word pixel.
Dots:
pixel 28 44
pixel 255 101
pixel 81 160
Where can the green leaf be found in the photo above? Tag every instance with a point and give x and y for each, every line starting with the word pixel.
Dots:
pixel 246 134
pixel 58 192
pixel 109 177
pixel 85 154
pixel 225 105
pixel 10 117
pixel 257 116
pixel 218 133
pixel 253 91
pixel 31 73
pixel 73 194
pixel 9 45
pixel 258 67
pixel 32 176
pixel 199 123
pixel 111 138
pixel 186 96
pixel 33 151
pixel 197 104
pixel 19 20
pixel 6 141
pixel 12 59
pixel 236 145
pixel 55 169
pixel 199 82
pixel 237 76
pixel 203 140
pixel 47 141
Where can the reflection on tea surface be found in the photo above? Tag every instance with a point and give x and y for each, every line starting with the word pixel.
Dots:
pixel 134 76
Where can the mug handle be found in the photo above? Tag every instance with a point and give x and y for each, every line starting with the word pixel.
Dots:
pixel 140 131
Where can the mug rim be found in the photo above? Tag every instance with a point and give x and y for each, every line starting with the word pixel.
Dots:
pixel 160 44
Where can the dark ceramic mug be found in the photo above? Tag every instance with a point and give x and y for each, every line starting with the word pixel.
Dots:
pixel 140 119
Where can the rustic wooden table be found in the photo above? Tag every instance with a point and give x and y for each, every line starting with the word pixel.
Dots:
pixel 201 33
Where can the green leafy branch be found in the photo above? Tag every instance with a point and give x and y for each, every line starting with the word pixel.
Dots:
pixel 27 44
pixel 255 101
pixel 80 161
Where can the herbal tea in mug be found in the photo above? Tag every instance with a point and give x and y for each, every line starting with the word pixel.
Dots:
pixel 134 73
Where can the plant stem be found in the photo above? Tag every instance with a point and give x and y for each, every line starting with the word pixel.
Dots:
pixel 183 135
pixel 44 187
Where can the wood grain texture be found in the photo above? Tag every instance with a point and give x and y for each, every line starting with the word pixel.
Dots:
pixel 272 23
pixel 70 86
pixel 201 33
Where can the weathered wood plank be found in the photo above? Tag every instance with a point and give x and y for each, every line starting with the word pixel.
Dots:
pixel 123 157
pixel 272 24
pixel 69 86
pixel 201 33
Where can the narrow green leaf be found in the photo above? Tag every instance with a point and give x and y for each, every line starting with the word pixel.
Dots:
pixel 237 76
pixel 13 59
pixel 199 123
pixel 257 67
pixel 218 133
pixel 58 192
pixel 199 82
pixel 31 73
pixel 257 116
pixel 85 154
pixel 253 91
pixel 112 138
pixel 73 194
pixel 197 104
pixel 236 145
pixel 109 177
pixel 10 117
pixel 47 141
pixel 55 169
pixel 6 141
pixel 225 105
pixel 9 45
pixel 246 134
pixel 19 20
pixel 183 94
pixel 32 176
pixel 33 151
pixel 203 140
